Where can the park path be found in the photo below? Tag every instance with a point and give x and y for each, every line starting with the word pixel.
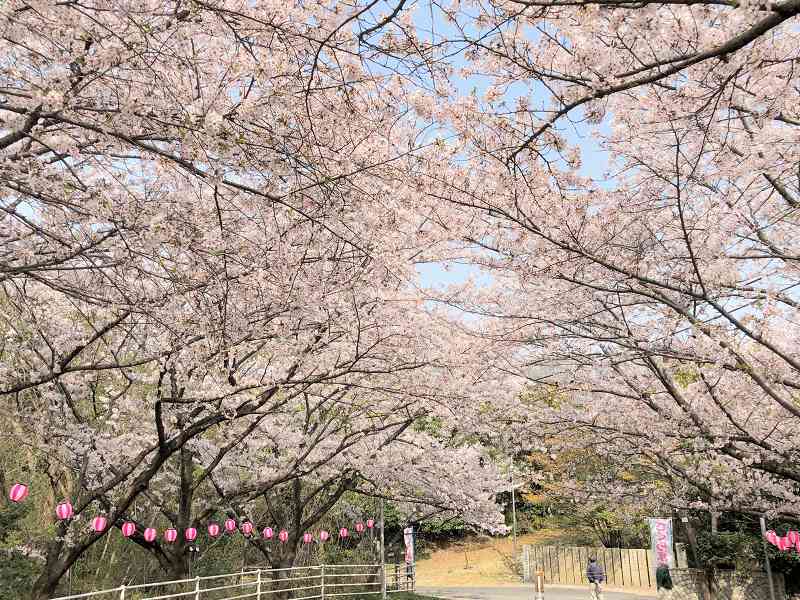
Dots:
pixel 524 593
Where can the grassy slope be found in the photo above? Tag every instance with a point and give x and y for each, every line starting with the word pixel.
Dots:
pixel 477 561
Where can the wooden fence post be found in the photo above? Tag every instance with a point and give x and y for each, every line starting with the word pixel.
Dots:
pixel 526 563
pixel 623 567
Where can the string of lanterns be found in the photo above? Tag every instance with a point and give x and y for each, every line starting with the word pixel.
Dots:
pixel 64 511
pixel 787 542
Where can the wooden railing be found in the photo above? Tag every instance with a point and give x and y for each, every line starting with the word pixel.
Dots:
pixel 321 582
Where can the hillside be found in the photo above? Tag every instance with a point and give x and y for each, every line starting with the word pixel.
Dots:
pixel 477 561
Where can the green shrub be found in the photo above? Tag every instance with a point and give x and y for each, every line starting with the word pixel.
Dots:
pixel 745 550
pixel 729 550
pixel 17 573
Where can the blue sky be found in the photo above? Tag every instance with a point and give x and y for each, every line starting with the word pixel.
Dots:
pixel 595 162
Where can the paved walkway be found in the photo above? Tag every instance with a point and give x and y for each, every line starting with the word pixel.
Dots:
pixel 524 593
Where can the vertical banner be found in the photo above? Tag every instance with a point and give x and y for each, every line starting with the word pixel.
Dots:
pixel 408 538
pixel 661 542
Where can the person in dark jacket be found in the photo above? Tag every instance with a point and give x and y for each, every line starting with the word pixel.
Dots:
pixel 663 580
pixel 596 576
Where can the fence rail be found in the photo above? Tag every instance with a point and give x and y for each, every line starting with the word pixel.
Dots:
pixel 296 583
pixel 626 568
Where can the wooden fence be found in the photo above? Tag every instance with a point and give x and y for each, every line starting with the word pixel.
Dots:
pixel 567 565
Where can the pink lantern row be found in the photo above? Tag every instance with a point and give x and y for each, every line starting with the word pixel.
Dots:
pixel 19 492
pixel 790 541
pixel 100 523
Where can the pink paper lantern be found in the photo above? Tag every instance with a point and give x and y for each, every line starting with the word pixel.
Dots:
pixel 150 534
pixel 323 535
pixel 99 524
pixel 213 529
pixel 772 537
pixel 230 525
pixel 307 538
pixel 170 535
pixel 247 528
pixel 64 510
pixel 18 492
pixel 370 523
pixel 360 527
pixel 343 533
pixel 283 536
pixel 190 534
pixel 128 529
pixel 267 533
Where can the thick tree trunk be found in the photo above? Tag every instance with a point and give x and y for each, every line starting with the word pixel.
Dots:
pixel 180 557
pixel 54 568
pixel 43 589
pixel 281 577
pixel 691 537
pixel 45 586
pixel 179 565
pixel 174 558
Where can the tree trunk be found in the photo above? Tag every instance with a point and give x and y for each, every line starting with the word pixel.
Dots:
pixel 177 561
pixel 46 584
pixel 281 577
pixel 180 558
pixel 691 537
pixel 179 566
pixel 44 587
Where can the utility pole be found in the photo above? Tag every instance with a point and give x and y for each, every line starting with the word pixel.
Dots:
pixel 513 513
pixel 766 558
pixel 383 558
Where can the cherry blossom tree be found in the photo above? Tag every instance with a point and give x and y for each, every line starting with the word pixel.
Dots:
pixel 225 414
pixel 212 213
pixel 301 459
pixel 657 305
pixel 203 221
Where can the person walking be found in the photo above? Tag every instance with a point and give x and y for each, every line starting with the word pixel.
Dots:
pixel 596 576
pixel 663 581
